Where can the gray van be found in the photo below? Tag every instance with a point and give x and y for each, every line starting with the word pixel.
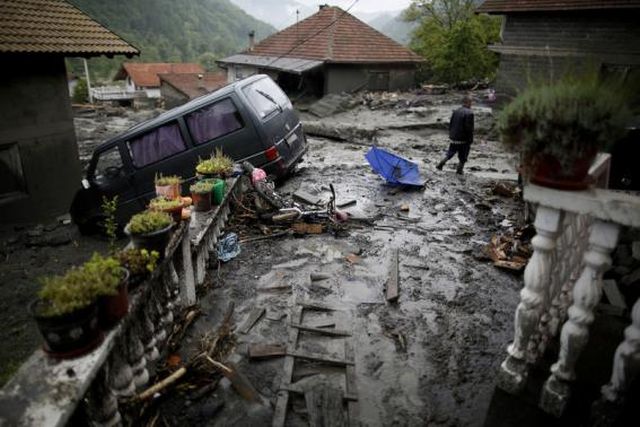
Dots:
pixel 250 120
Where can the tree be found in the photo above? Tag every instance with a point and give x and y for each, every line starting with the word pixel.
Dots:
pixel 80 92
pixel 208 61
pixel 453 39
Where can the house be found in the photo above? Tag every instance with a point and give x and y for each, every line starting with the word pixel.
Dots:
pixel 39 166
pixel 329 52
pixel 176 89
pixel 544 39
pixel 142 79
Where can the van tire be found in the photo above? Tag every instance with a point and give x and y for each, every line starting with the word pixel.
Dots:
pixel 93 225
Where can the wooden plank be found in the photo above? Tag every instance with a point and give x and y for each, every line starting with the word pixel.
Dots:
pixel 253 318
pixel 325 407
pixel 264 351
pixel 613 294
pixel 353 408
pixel 317 306
pixel 307 198
pixel 321 331
pixel 282 402
pixel 317 357
pixel 305 228
pixel 324 324
pixel 394 277
pixel 293 388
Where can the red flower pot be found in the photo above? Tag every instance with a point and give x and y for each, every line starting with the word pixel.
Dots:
pixel 112 308
pixel 548 172
pixel 201 201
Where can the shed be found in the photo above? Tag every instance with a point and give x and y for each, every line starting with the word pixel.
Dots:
pixel 329 52
pixel 39 166
pixel 176 89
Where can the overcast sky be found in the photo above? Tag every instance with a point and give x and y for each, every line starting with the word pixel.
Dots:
pixel 362 5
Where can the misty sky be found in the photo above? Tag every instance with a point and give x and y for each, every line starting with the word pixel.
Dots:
pixel 362 5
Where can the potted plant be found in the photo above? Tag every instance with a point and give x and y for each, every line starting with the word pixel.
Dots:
pixel 168 186
pixel 218 165
pixel 201 195
pixel 139 262
pixel 150 230
pixel 559 129
pixel 171 206
pixel 110 283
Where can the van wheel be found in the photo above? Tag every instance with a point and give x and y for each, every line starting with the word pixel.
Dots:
pixel 93 225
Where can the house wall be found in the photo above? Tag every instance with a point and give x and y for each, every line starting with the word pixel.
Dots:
pixel 238 72
pixel 172 97
pixel 347 78
pixel 547 45
pixel 39 166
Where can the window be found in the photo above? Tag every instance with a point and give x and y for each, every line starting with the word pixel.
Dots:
pixel 266 97
pixel 156 145
pixel 11 177
pixel 214 121
pixel 109 163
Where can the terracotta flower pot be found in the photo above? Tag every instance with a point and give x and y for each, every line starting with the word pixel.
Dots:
pixel 171 191
pixel 548 172
pixel 112 308
pixel 202 201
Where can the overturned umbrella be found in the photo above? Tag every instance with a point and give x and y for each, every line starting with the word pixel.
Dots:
pixel 395 169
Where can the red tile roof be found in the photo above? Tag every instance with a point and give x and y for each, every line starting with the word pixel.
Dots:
pixel 146 74
pixel 55 26
pixel 501 6
pixel 195 85
pixel 333 35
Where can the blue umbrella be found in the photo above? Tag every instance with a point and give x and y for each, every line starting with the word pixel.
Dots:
pixel 395 169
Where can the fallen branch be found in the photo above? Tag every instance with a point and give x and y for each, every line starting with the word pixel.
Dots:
pixel 158 387
pixel 272 236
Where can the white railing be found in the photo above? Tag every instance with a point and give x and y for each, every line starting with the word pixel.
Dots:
pixel 115 93
pixel 46 391
pixel 575 235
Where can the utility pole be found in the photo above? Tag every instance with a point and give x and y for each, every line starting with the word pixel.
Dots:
pixel 86 74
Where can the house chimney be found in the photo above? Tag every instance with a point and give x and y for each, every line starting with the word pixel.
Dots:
pixel 252 40
pixel 322 6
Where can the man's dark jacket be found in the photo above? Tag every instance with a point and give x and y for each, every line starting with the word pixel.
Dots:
pixel 461 125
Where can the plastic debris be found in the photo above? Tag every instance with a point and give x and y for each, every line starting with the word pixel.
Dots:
pixel 228 247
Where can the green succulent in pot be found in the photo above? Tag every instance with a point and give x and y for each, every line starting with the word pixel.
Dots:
pixel 148 222
pixel 218 164
pixel 162 181
pixel 202 187
pixel 558 128
pixel 138 261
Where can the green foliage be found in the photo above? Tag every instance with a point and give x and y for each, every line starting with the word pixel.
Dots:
pixel 81 92
pixel 162 203
pixel 218 164
pixel 138 261
pixel 109 208
pixel 167 180
pixel 80 286
pixel 565 119
pixel 208 61
pixel 171 30
pixel 148 222
pixel 201 187
pixel 453 39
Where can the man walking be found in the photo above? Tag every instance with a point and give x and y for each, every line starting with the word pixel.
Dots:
pixel 460 134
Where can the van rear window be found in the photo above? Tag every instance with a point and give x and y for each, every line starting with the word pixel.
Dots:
pixel 214 121
pixel 266 97
pixel 157 145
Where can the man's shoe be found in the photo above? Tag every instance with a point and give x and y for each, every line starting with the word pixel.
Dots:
pixel 459 169
pixel 440 165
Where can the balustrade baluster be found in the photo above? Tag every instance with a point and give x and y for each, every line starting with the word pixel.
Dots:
pixel 136 356
pixel 148 334
pixel 187 279
pixel 575 332
pixel 120 372
pixel 101 403
pixel 514 369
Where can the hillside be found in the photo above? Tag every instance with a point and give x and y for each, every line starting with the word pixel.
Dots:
pixel 394 26
pixel 174 30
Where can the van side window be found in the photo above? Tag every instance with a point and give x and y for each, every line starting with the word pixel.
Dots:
pixel 109 163
pixel 214 121
pixel 156 145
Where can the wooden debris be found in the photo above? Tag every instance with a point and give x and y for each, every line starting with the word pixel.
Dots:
pixel 158 387
pixel 352 259
pixel 419 267
pixel 404 207
pixel 180 329
pixel 205 390
pixel 239 382
pixel 317 357
pixel 274 315
pixel 613 294
pixel 330 332
pixel 510 252
pixel 510 265
pixel 324 324
pixel 324 406
pixel 272 236
pixel 307 198
pixel 282 402
pixel 346 204
pixel 253 318
pixel 504 189
pixel 353 408
pixel 265 351
pixel 315 305
pixel 305 228
pixel 274 288
pixel 316 277
pixel 394 277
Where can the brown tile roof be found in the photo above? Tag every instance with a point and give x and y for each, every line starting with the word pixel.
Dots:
pixel 502 6
pixel 197 84
pixel 146 74
pixel 55 26
pixel 333 35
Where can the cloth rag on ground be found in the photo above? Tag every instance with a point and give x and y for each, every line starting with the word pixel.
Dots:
pixel 228 247
pixel 395 169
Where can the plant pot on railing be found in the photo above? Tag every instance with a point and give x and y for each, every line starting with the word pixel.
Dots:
pixel 559 128
pixel 171 206
pixel 217 166
pixel 139 262
pixel 168 186
pixel 114 306
pixel 219 188
pixel 150 230
pixel 201 195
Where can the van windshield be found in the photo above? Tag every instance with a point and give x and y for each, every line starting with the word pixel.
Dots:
pixel 266 97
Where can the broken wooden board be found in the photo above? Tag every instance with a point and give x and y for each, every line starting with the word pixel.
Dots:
pixel 294 388
pixel 315 305
pixel 510 265
pixel 265 351
pixel 253 318
pixel 316 357
pixel 274 288
pixel 394 277
pixel 307 198
pixel 613 294
pixel 325 407
pixel 346 203
pixel 324 324
pixel 353 408
pixel 305 228
pixel 282 402
pixel 321 331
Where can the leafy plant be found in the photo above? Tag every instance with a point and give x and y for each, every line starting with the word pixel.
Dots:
pixel 218 163
pixel 80 286
pixel 162 203
pixel 148 222
pixel 167 180
pixel 566 120
pixel 138 261
pixel 109 208
pixel 201 187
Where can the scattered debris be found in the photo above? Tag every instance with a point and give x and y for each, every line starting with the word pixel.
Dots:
pixel 265 351
pixel 510 252
pixel 306 228
pixel 307 198
pixel 324 406
pixel 160 386
pixel 252 319
pixel 352 258
pixel 392 291
pixel 228 247
pixel 316 277
pixel 505 189
pixel 347 203
pixel 239 382
pixel 404 207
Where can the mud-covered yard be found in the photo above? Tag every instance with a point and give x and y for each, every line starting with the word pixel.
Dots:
pixel 430 358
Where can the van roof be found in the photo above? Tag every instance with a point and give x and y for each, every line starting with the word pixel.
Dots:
pixel 174 113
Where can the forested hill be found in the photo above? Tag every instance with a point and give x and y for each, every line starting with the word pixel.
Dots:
pixel 174 30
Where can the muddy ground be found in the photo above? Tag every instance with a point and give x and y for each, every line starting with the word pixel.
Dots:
pixel 429 358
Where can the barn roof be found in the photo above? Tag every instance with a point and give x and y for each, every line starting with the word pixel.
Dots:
pixel 194 85
pixel 55 26
pixel 505 6
pixel 145 74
